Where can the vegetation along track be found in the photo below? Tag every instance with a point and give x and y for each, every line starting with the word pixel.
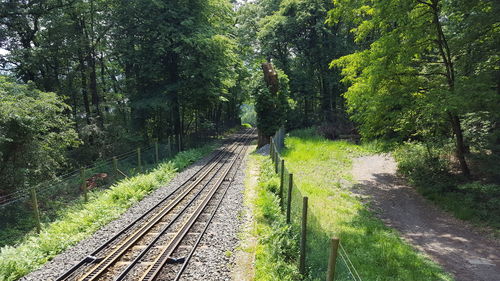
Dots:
pixel 162 241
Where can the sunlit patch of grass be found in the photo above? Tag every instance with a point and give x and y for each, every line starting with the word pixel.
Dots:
pixel 322 172
pixel 81 220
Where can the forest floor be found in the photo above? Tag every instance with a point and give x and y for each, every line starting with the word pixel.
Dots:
pixel 461 249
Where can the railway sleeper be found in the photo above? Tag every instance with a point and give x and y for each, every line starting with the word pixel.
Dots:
pixel 92 259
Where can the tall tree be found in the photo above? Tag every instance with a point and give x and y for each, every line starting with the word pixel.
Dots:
pixel 407 81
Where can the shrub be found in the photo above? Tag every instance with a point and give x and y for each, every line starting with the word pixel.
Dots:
pixel 423 166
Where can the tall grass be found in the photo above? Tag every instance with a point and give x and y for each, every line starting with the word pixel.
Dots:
pixel 82 220
pixel 277 247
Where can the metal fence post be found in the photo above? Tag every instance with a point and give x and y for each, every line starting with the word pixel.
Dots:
pixel 139 165
pixel 276 163
pixel 289 199
pixel 83 184
pixel 271 150
pixel 282 181
pixel 302 261
pixel 157 157
pixel 330 275
pixel 36 210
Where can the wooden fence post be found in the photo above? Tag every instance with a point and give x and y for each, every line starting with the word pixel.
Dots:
pixel 83 184
pixel 282 181
pixel 157 156
pixel 115 165
pixel 139 164
pixel 289 199
pixel 330 275
pixel 36 211
pixel 302 262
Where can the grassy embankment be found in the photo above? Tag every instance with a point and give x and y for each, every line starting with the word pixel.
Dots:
pixel 81 220
pixel 319 167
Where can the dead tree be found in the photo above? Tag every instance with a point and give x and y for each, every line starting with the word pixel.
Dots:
pixel 271 79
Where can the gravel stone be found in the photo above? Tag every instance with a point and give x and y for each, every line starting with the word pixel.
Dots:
pixel 64 261
pixel 214 258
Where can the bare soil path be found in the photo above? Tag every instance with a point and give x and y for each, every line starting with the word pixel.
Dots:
pixel 460 249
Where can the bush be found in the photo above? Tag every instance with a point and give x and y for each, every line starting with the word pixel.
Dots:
pixel 423 167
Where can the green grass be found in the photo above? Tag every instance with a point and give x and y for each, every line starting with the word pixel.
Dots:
pixel 80 221
pixel 277 246
pixel 321 171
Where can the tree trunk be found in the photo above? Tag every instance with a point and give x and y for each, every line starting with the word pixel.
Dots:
pixel 262 139
pixel 85 97
pixel 447 59
pixel 93 88
pixel 460 144
pixel 174 94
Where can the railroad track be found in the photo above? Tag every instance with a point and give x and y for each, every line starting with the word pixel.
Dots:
pixel 160 243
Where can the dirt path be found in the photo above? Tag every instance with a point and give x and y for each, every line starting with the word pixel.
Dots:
pixel 462 251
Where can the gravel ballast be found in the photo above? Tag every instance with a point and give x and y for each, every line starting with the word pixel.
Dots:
pixel 214 258
pixel 63 262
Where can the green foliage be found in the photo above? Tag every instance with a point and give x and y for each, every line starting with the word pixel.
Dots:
pixel 271 108
pixel 133 72
pixel 79 221
pixel 293 35
pixel 277 249
pixel 416 76
pixel 248 114
pixel 423 165
pixel 34 135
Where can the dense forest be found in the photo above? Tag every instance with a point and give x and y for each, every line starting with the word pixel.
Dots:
pixel 84 79
pixel 123 74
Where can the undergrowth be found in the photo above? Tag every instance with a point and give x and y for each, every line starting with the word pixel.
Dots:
pixel 477 201
pixel 82 220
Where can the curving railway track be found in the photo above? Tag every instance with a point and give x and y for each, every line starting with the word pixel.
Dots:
pixel 159 244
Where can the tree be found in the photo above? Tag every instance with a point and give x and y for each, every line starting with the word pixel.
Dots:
pixel 34 135
pixel 133 72
pixel 406 82
pixel 270 95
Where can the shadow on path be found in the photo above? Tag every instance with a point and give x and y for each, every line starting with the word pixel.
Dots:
pixel 456 245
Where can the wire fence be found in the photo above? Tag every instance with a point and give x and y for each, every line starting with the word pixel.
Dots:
pixel 25 209
pixel 316 241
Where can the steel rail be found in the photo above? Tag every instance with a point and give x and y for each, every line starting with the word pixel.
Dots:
pixel 131 240
pixel 200 236
pixel 166 228
pixel 110 241
pixel 153 270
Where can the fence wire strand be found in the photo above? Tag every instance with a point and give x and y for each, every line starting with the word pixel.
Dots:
pixel 343 252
